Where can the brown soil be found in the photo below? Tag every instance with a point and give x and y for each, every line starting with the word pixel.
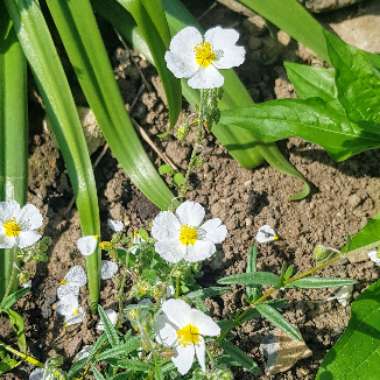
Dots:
pixel 344 198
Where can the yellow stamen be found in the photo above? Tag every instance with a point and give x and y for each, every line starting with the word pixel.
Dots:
pixel 204 54
pixel 188 334
pixel 11 228
pixel 63 282
pixel 105 245
pixel 75 312
pixel 188 235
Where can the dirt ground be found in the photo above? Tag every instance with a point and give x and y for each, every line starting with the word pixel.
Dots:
pixel 344 197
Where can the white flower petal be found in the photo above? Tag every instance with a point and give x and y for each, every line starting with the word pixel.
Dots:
pixel 200 351
pixel 115 225
pixel 215 230
pixel 206 78
pixel 177 311
pixel 266 234
pixel 87 245
pixel 8 210
pixel 206 324
pixel 184 358
pixel 201 250
pixel 76 276
pixel 190 213
pixel 373 255
pixel 76 318
pixel 67 305
pixel 165 331
pixel 37 374
pixel 67 291
pixel 30 217
pixel 112 316
pixel 165 226
pixel 223 42
pixel 108 269
pixel 7 242
pixel 180 58
pixel 27 238
pixel 170 250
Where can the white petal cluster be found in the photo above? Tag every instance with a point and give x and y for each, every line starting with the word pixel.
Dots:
pixel 74 279
pixel 108 269
pixel 70 309
pixel 183 235
pixel 112 316
pixel 374 256
pixel 41 374
pixel 18 225
pixel 266 234
pixel 115 225
pixel 183 328
pixel 199 58
pixel 87 244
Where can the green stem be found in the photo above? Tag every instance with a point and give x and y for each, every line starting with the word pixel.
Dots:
pixel 12 284
pixel 26 358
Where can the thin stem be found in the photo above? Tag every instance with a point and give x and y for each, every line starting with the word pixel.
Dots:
pixel 26 358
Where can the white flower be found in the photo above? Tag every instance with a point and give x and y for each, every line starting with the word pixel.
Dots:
pixel 69 308
pixel 198 58
pixel 183 328
pixel 87 244
pixel 74 279
pixel 41 374
pixel 83 353
pixel 266 234
pixel 112 316
pixel 182 236
pixel 115 225
pixel 18 225
pixel 108 269
pixel 27 284
pixel 374 256
pixel 344 295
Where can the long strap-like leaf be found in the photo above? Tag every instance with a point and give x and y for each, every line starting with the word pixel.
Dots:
pixel 13 131
pixel 80 35
pixel 39 49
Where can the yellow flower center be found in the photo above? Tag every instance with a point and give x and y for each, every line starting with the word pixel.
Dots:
pixel 188 334
pixel 63 282
pixel 188 235
pixel 75 312
pixel 105 245
pixel 11 228
pixel 204 54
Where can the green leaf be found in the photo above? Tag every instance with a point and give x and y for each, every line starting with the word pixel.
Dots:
pixel 257 278
pixel 320 282
pixel 7 363
pixel 10 300
pixel 240 143
pixel 357 79
pixel 274 317
pixel 18 325
pixel 235 357
pixel 39 49
pixel 207 292
pixel 97 374
pixel 13 131
pixel 291 17
pixel 179 179
pixel 133 365
pixel 310 119
pixel 251 268
pixel 79 32
pixel 356 354
pixel 166 169
pixel 151 21
pixel 120 350
pixel 109 328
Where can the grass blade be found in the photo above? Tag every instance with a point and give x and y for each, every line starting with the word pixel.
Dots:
pixel 320 282
pixel 13 131
pixel 39 49
pixel 151 21
pixel 295 20
pixel 79 32
pixel 276 318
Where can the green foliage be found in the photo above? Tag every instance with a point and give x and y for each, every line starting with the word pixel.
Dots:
pixel 355 356
pixel 257 278
pixel 320 282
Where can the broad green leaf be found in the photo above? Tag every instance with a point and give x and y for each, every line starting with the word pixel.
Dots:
pixel 240 143
pixel 291 17
pixel 150 18
pixel 121 350
pixel 276 318
pixel 80 35
pixel 10 300
pixel 357 79
pixel 310 119
pixel 39 49
pixel 235 357
pixel 257 278
pixel 97 374
pixel 13 131
pixel 109 328
pixel 320 282
pixel 356 354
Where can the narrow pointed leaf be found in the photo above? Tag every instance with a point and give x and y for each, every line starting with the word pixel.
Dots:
pixel 50 78
pixel 79 32
pixel 320 282
pixel 257 278
pixel 97 374
pixel 109 328
pixel 120 350
pixel 276 318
